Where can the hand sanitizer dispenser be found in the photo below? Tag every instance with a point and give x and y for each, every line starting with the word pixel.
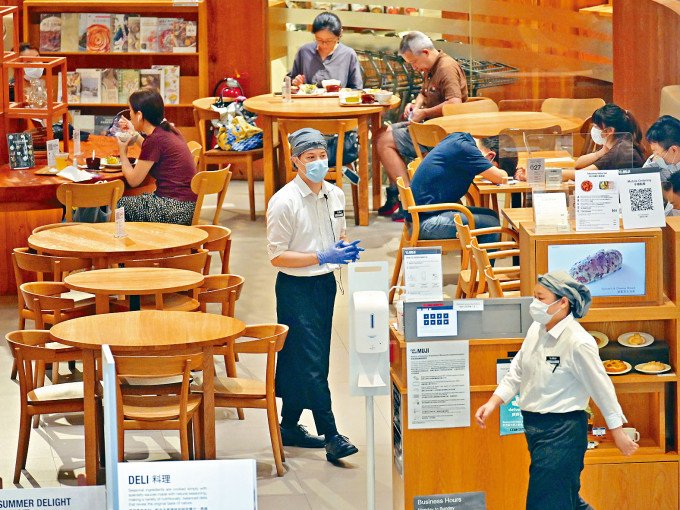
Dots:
pixel 371 322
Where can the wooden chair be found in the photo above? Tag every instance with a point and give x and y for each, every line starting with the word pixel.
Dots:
pixel 479 106
pixel 469 272
pixel 498 288
pixel 412 167
pixel 583 141
pixel 159 412
pixel 249 393
pixel 210 183
pixel 73 195
pixel 581 108
pixel 219 240
pixel 29 351
pixel 209 156
pixel 195 148
pixel 412 239
pixel 483 260
pixel 520 105
pixel 175 301
pixel 427 135
pixel 327 127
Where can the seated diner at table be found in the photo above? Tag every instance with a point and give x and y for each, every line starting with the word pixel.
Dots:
pixel 620 138
pixel 664 140
pixel 671 194
pixel 165 155
pixel 447 172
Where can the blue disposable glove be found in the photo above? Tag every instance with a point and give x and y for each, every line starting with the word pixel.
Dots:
pixel 339 253
pixel 354 243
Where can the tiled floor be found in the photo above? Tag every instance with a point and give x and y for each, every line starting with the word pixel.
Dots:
pixel 56 452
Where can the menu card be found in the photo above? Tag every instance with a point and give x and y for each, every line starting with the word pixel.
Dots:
pixel 597 200
pixel 20 147
pixel 550 211
pixel 641 198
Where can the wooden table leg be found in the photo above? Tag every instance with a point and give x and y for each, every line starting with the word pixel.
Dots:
pixel 363 170
pixel 376 121
pixel 208 403
pixel 268 159
pixel 90 423
pixel 101 303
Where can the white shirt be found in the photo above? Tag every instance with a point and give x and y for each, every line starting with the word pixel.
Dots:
pixel 298 220
pixel 546 387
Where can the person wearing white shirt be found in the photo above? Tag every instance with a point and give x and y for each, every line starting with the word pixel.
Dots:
pixel 556 372
pixel 306 243
pixel 664 140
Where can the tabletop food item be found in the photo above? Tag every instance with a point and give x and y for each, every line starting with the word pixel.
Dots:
pixel 112 160
pixel 351 97
pixel 614 366
pixel 383 96
pixel 652 366
pixel 307 88
pixel 367 98
pixel 93 163
pixel 331 85
pixel 636 339
pixel 596 266
pixel 600 338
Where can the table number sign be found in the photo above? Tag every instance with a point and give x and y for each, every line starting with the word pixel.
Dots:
pixel 120 222
pixel 20 147
pixel 536 171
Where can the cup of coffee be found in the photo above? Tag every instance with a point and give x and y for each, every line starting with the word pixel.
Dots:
pixel 632 433
pixel 93 163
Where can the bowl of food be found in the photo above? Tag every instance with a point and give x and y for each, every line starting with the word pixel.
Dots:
pixel 367 98
pixel 93 163
pixel 331 85
pixel 383 97
pixel 124 136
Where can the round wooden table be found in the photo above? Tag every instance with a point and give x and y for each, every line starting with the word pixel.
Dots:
pixel 153 330
pixel 492 123
pixel 133 282
pixel 271 107
pixel 97 241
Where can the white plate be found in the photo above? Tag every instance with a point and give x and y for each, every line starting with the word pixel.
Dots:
pixel 628 369
pixel 637 367
pixel 600 338
pixel 318 92
pixel 623 339
pixel 84 167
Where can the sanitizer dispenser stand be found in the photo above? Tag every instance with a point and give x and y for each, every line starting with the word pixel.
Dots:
pixel 369 355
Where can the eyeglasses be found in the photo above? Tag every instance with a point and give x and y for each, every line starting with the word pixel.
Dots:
pixel 327 42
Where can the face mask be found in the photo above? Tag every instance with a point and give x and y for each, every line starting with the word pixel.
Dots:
pixel 596 135
pixel 539 311
pixel 316 170
pixel 669 167
pixel 33 73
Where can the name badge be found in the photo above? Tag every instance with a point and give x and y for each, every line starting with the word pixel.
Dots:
pixel 338 214
pixel 554 361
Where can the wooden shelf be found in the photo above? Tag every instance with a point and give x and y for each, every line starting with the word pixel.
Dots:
pixel 121 105
pixel 120 53
pixel 668 310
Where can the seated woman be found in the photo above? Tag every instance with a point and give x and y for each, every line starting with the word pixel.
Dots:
pixel 165 156
pixel 617 131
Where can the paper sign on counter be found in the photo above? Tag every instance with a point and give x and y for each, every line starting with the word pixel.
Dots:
pixel 61 498
pixel 597 200
pixel 423 274
pixel 641 198
pixel 52 147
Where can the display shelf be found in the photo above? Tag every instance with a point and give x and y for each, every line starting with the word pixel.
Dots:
pixel 118 53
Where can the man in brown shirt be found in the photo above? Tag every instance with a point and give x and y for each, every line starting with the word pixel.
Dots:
pixel 443 82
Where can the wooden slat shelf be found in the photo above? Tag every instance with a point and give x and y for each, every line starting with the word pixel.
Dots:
pixel 119 53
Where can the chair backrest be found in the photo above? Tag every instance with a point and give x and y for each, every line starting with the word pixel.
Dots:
pixel 494 284
pixel 478 106
pixel 407 201
pixel 73 195
pixel 580 108
pixel 263 339
pixel 190 262
pixel 210 183
pixel 520 105
pixel 463 231
pixel 412 167
pixel 219 240
pixel 538 138
pixel 482 260
pixel 27 347
pixel 196 150
pixel 46 297
pixel 428 135
pixel 327 127
pixel 221 288
pixel 202 115
pixel 583 142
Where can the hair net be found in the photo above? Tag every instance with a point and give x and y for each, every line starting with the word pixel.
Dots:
pixel 563 285
pixel 306 139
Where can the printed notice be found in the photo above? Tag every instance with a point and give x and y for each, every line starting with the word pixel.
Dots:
pixel 423 274
pixel 535 170
pixel 510 414
pixel 597 200
pixel 459 501
pixel 195 485
pixel 438 381
pixel 63 498
pixel 641 198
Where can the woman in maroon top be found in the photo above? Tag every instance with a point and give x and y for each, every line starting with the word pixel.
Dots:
pixel 165 156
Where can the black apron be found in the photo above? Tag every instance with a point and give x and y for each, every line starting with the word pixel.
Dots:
pixel 305 305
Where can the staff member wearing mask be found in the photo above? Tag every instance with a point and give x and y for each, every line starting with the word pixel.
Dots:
pixel 556 372
pixel 306 243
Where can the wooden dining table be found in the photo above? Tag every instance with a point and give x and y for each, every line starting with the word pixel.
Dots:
pixel 132 282
pixel 485 124
pixel 271 107
pixel 97 241
pixel 150 332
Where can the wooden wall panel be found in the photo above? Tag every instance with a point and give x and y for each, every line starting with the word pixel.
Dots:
pixel 646 56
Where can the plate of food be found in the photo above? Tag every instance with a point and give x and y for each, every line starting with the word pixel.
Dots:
pixel 113 163
pixel 616 367
pixel 600 338
pixel 652 367
pixel 309 89
pixel 636 339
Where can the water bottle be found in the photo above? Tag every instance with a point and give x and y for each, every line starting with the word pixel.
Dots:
pixel 286 92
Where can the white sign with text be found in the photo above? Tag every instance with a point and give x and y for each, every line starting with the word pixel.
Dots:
pixel 63 498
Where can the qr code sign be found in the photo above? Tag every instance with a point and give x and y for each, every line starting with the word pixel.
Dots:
pixel 641 199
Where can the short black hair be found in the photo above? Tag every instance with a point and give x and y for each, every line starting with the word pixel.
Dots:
pixel 673 183
pixel 665 131
pixel 327 21
pixel 506 152
pixel 23 46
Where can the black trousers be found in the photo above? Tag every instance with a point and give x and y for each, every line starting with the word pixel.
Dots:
pixel 557 444
pixel 305 304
